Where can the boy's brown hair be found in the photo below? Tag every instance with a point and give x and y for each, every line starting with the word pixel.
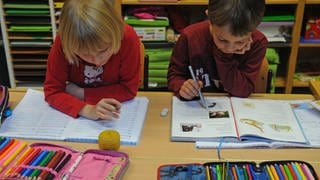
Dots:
pixel 242 16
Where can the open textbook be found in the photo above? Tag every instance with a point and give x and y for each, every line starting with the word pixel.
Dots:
pixel 33 118
pixel 232 122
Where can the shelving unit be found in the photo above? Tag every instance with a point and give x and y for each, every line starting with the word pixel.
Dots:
pixel 28 32
pixel 26 61
pixel 302 46
pixel 286 80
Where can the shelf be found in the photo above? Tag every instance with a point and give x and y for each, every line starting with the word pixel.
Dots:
pixel 312 1
pixel 279 44
pixel 282 1
pixel 197 2
pixel 298 83
pixel 309 45
pixel 29 37
pixel 181 2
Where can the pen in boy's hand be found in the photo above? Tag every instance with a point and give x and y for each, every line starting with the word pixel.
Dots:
pixel 203 101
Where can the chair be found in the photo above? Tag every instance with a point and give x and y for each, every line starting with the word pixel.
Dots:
pixel 143 74
pixel 315 88
pixel 263 83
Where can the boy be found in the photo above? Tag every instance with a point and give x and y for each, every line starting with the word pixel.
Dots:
pixel 94 62
pixel 225 52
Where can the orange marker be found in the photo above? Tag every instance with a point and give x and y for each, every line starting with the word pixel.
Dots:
pixel 26 161
pixel 12 154
pixel 234 173
pixel 4 149
pixel 269 172
pixel 19 161
pixel 293 174
pixel 6 153
pixel 284 174
pixel 274 172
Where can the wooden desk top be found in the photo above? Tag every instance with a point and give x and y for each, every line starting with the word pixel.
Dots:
pixel 155 148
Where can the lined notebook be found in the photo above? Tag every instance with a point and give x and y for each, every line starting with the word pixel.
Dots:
pixel 33 118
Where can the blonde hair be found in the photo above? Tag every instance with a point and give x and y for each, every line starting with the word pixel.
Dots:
pixel 86 26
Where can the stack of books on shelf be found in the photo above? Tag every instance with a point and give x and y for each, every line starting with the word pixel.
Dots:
pixel 150 22
pixel 30 37
pixel 158 66
pixel 277 28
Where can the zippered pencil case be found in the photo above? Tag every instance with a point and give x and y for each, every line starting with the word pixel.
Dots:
pixel 245 170
pixel 62 162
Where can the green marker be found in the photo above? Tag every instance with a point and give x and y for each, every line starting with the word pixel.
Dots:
pixel 44 162
pixel 218 172
pixel 286 169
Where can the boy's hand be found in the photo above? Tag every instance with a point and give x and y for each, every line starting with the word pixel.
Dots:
pixel 189 89
pixel 105 109
pixel 246 47
pixel 75 90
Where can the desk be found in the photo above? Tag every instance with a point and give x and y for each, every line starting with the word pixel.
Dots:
pixel 155 148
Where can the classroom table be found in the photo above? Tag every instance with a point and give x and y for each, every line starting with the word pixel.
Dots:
pixel 155 147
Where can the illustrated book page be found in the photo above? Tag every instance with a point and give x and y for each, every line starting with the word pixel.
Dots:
pixel 265 119
pixel 308 119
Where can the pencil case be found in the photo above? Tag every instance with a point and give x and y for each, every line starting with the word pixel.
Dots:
pixel 246 170
pixel 65 163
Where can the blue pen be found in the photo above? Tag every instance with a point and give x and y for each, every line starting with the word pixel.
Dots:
pixel 253 174
pixel 4 142
pixel 240 176
pixel 34 162
pixel 294 167
pixel 278 171
pixel 203 101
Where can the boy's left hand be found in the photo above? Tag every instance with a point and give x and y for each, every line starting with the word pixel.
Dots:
pixel 246 47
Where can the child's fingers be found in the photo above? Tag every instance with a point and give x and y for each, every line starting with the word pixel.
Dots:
pixel 189 89
pixel 108 109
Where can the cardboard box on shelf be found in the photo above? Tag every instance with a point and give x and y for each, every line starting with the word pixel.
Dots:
pixel 151 33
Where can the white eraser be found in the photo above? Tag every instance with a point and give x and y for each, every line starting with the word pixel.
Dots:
pixel 164 112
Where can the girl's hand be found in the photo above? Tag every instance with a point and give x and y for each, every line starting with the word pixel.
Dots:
pixel 105 109
pixel 189 89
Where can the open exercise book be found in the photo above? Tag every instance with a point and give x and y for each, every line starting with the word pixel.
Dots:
pixel 232 122
pixel 33 118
